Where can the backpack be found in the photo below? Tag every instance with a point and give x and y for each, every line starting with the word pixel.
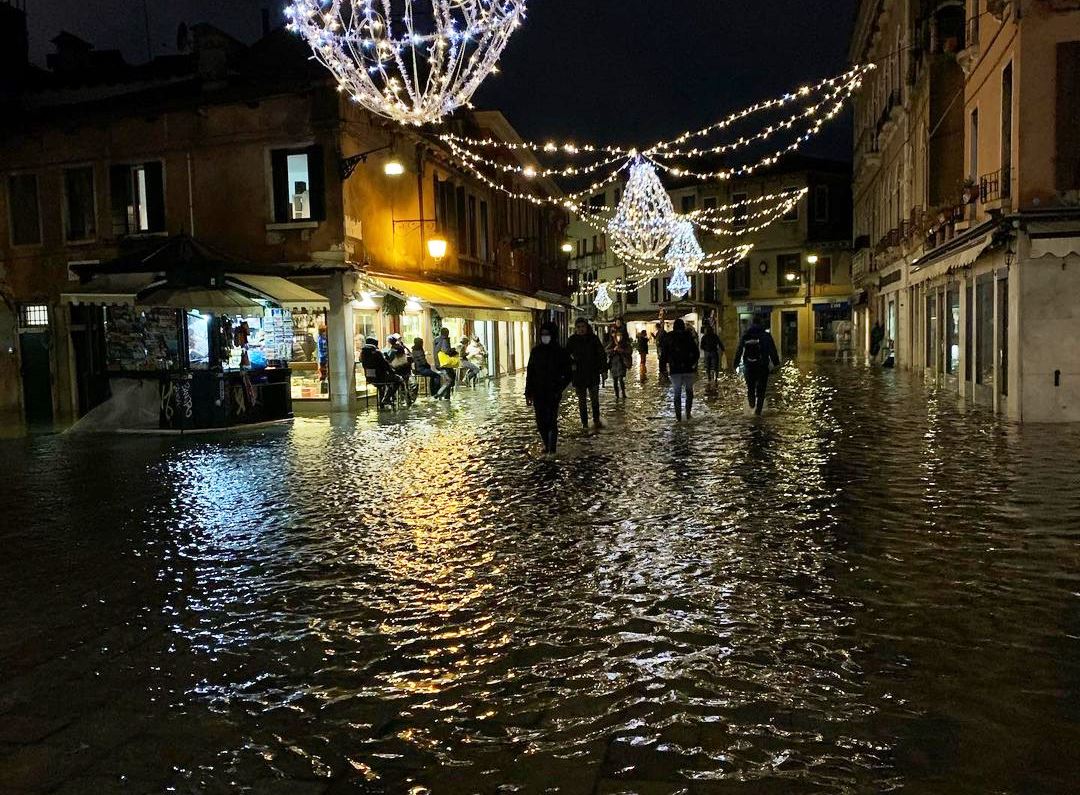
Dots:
pixel 752 354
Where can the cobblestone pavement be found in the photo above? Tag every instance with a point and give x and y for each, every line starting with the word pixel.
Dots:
pixel 869 589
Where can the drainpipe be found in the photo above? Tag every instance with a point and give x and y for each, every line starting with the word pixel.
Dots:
pixel 190 198
pixel 420 201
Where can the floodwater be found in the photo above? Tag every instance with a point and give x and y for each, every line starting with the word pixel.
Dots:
pixel 869 589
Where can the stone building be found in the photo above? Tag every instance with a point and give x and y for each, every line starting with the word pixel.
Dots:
pixel 967 195
pixel 250 151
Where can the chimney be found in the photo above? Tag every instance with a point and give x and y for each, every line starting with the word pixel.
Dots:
pixel 14 42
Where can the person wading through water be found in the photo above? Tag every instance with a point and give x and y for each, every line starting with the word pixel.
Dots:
pixel 757 355
pixel 681 351
pixel 589 361
pixel 545 382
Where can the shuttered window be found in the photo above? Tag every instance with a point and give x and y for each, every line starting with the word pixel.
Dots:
pixel 1068 116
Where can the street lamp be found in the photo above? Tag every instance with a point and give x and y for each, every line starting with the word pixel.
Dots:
pixel 437 247
pixel 568 247
pixel 393 167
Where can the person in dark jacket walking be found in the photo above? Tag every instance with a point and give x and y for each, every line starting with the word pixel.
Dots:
pixel 712 347
pixel 643 350
pixel 658 338
pixel 589 361
pixel 757 354
pixel 546 380
pixel 681 352
pixel 618 353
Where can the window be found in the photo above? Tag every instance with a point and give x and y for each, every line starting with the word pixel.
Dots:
pixel 952 330
pixel 137 199
pixel 1068 116
pixel 969 315
pixel 973 140
pixel 79 204
pixel 708 203
pixel 932 331
pixel 788 271
pixel 689 204
pixel 473 247
pixel 24 210
pixel 739 211
pixel 654 291
pixel 33 315
pixel 710 295
pixel 826 318
pixel 599 200
pixel 1006 131
pixel 739 279
pixel 582 248
pixel 298 184
pixel 1003 335
pixel 485 231
pixel 632 297
pixel 823 271
pixel 821 204
pixel 595 244
pixel 984 330
pixel 793 213
pixel 461 238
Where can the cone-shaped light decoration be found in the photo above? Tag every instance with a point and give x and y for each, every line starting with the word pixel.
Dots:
pixel 684 253
pixel 413 61
pixel 642 223
pixel 603 300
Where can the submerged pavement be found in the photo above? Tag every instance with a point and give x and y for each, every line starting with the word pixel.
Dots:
pixel 868 589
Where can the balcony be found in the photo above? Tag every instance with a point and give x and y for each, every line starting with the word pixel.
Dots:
pixel 995 190
pixel 969 56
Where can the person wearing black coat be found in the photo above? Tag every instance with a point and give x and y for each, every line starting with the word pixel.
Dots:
pixel 758 355
pixel 681 351
pixel 589 362
pixel 546 380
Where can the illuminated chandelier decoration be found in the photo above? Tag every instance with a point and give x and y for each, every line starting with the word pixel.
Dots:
pixel 603 300
pixel 684 253
pixel 642 224
pixel 413 61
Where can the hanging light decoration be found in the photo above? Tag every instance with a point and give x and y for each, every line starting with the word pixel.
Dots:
pixel 679 286
pixel 414 61
pixel 684 253
pixel 603 300
pixel 641 226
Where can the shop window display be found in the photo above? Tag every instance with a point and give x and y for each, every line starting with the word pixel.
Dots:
pixel 142 340
pixel 308 377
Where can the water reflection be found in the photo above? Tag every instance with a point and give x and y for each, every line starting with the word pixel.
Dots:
pixel 866 589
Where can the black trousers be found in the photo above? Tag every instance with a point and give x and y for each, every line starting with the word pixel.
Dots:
pixel 547 421
pixel 757 382
pixel 584 393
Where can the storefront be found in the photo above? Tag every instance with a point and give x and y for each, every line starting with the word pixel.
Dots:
pixel 194 357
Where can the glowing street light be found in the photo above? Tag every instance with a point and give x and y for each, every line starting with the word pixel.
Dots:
pixel 394 168
pixel 437 247
pixel 568 248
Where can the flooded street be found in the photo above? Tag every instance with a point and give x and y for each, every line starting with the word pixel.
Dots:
pixel 869 589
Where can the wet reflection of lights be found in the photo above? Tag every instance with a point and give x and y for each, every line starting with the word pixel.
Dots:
pixel 753 601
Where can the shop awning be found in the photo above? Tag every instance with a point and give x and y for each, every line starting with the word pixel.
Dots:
pixel 458 301
pixel 117 290
pixel 284 293
pixel 930 269
pixel 1059 247
pixel 211 300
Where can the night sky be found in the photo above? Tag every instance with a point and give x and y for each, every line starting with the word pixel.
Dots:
pixel 610 71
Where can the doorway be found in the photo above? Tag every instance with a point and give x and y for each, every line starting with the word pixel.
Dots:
pixel 789 335
pixel 36 378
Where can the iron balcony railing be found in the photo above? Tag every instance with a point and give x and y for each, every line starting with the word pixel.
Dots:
pixel 995 186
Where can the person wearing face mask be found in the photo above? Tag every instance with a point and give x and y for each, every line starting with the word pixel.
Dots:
pixel 547 378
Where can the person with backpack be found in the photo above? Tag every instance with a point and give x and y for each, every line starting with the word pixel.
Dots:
pixel 547 378
pixel 758 355
pixel 712 347
pixel 682 354
pixel 589 361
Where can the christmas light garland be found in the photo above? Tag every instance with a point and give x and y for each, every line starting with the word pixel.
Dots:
pixel 384 61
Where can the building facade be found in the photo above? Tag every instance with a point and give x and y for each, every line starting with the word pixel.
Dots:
pixel 966 184
pixel 250 150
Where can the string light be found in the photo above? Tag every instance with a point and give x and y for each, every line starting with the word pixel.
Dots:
pixel 383 61
pixel 680 285
pixel 642 224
